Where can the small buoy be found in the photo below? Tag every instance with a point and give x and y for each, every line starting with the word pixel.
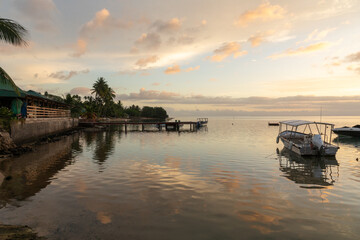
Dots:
pixel 232 124
pixel 357 159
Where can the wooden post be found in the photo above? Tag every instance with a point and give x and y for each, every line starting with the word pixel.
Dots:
pixel 125 128
pixel 142 127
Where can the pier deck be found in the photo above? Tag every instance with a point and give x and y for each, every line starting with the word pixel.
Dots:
pixel 168 126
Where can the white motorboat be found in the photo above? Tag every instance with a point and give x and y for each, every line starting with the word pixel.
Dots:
pixel 348 131
pixel 307 138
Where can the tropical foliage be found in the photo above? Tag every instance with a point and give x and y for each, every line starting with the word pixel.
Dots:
pixel 13 33
pixel 102 104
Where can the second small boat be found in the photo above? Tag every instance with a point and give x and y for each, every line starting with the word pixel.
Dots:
pixel 348 131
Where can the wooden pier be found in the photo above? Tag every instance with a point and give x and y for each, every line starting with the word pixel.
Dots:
pixel 168 126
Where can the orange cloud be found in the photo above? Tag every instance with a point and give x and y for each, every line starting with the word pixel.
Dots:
pixel 81 47
pixel 264 12
pixel 103 20
pixel 301 50
pixel 256 40
pixel 226 50
pixel 96 22
pixel 143 62
pixel 192 69
pixel 172 70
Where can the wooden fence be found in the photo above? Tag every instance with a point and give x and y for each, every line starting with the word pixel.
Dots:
pixel 43 112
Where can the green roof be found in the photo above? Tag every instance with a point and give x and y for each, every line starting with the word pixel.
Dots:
pixel 7 89
pixel 12 94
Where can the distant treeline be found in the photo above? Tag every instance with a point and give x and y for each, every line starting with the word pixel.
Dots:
pixel 103 104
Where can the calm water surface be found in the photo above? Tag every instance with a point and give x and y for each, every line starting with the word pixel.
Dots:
pixel 228 181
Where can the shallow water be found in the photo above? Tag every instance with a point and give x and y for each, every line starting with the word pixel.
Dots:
pixel 227 181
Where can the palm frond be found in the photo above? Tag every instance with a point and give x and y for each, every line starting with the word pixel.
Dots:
pixel 12 32
pixel 6 79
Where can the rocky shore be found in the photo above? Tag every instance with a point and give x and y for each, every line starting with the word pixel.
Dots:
pixel 8 232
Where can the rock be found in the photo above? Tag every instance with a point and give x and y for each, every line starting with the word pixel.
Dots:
pixel 17 232
pixel 6 142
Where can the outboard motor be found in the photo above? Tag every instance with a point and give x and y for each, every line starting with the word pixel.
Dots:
pixel 317 141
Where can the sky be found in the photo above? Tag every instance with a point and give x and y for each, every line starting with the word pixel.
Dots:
pixel 229 57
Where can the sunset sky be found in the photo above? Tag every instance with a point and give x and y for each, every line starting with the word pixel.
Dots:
pixel 231 57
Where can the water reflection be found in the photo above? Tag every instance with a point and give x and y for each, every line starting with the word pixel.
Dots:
pixel 24 176
pixel 102 143
pixel 311 172
pixel 347 140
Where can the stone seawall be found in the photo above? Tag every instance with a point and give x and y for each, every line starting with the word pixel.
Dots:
pixel 33 129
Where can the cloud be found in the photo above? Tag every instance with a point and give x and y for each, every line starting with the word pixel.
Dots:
pixel 39 12
pixel 156 84
pixel 176 69
pixel 355 69
pixel 226 50
pixel 172 70
pixel 264 12
pixel 261 37
pixel 144 62
pixel 149 95
pixel 80 48
pixel 103 21
pixel 185 39
pixel 256 40
pixel 66 75
pixel 190 69
pixel 83 91
pixel 355 57
pixel 317 35
pixel 301 50
pixel 150 41
pixel 169 26
pixel 293 105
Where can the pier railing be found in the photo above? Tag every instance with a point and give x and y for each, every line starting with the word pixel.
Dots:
pixel 43 112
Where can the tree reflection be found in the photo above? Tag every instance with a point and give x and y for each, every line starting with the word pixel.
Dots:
pixel 105 144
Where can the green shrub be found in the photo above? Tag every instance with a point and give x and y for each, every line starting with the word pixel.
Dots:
pixel 5 118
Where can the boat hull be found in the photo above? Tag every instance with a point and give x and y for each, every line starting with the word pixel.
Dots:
pixel 347 132
pixel 308 150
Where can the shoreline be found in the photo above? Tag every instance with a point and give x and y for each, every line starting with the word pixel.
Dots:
pixel 17 150
pixel 18 232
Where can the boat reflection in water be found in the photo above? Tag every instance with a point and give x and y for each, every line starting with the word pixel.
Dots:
pixel 347 141
pixel 26 175
pixel 310 172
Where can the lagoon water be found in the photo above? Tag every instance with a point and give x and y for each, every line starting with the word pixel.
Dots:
pixel 226 181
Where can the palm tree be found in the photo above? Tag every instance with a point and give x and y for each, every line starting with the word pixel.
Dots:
pixel 100 88
pixel 13 33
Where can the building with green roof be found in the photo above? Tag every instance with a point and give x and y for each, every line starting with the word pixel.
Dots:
pixel 36 104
